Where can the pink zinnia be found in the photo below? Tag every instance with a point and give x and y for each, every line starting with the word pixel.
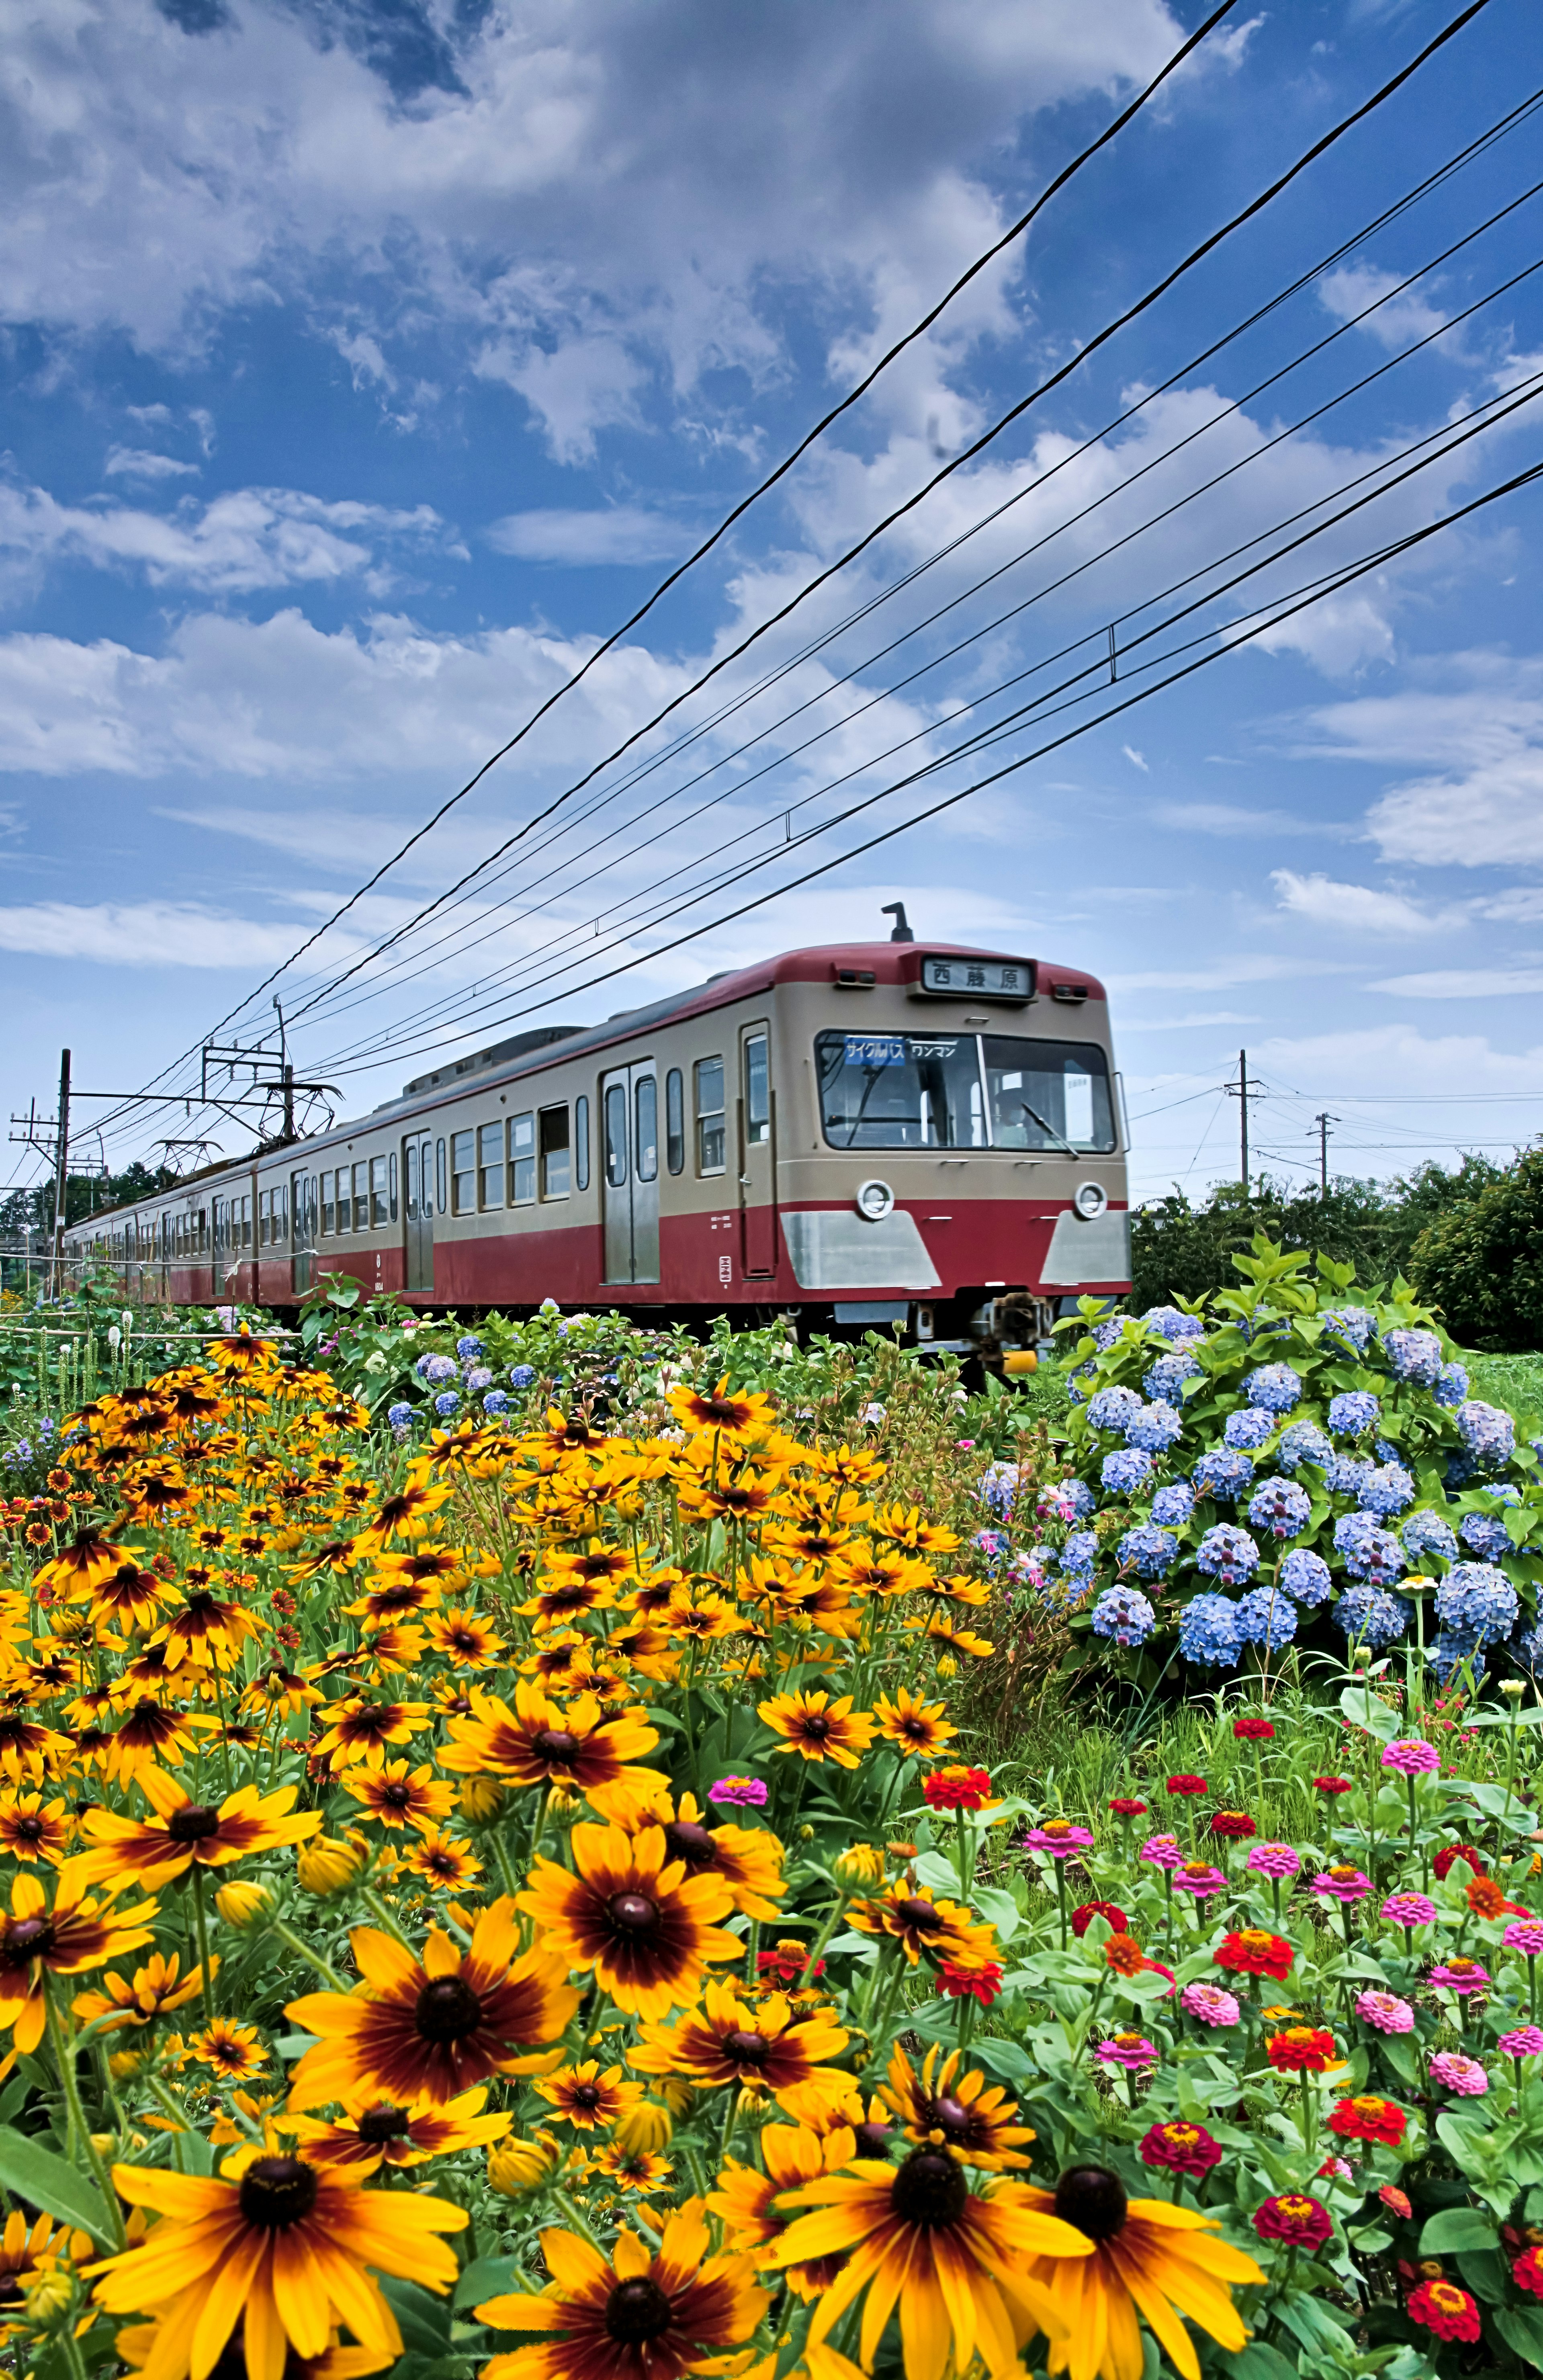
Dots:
pixel 746 1792
pixel 1455 2073
pixel 1198 1877
pixel 1276 1860
pixel 1386 2011
pixel 1525 2042
pixel 1341 1883
pixel 1411 1909
pixel 1525 1934
pixel 1411 1757
pixel 1127 2049
pixel 1459 1976
pixel 1161 1850
pixel 1061 1843
pixel 1209 2004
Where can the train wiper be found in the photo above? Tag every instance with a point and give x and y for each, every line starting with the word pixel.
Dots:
pixel 1046 1126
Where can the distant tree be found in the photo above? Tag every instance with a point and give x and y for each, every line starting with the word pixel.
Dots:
pixel 1480 1259
pixel 1182 1250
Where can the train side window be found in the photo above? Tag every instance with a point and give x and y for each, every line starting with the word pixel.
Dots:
pixel 490 1162
pixel 390 1170
pixel 361 1196
pixel 463 1172
pixel 646 1100
pixel 344 1211
pixel 710 1115
pixel 281 1214
pixel 329 1207
pixel 615 1135
pixel 265 1217
pixel 441 1196
pixel 674 1121
pixel 554 1136
pixel 379 1212
pixel 247 1221
pixel 522 1159
pixel 581 1141
pixel 758 1091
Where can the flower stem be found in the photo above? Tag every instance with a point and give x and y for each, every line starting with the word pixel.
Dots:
pixel 384 1917
pixel 292 1941
pixel 64 2058
pixel 200 1926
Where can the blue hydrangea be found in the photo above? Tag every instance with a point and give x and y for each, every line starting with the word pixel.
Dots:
pixel 1224 1474
pixel 1384 1451
pixel 1078 1494
pixel 1075 1394
pixel 1154 1428
pixel 1347 1476
pixel 990 1545
pixel 478 1377
pixel 435 1369
pixel 1113 1409
pixel 1352 1413
pixel 1124 1614
pixel 1527 1647
pixel 1488 1434
pixel 1387 1490
pixel 1352 1324
pixel 1267 1617
pixel 1168 1375
pixel 1415 1355
pixel 1171 1325
pixel 1173 1505
pixel 1079 1553
pixel 1452 1385
pixel 1367 1615
pixel 1461 1468
pixel 1125 1471
pixel 446 1404
pixel 467 1347
pixel 1368 1551
pixel 1107 1333
pixel 1247 1429
pixel 1149 1551
pixel 1274 1388
pixel 1478 1601
pixel 521 1375
pixel 496 1402
pixel 1209 1633
pixel 399 1415
pixel 1281 1507
pixel 1448 1654
pixel 1425 1534
pixel 1306 1577
pixel 1302 1441
pixel 1484 1537
pixel 998 1486
pixel 1227 1553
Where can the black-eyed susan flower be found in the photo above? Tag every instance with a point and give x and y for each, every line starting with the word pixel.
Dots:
pixel 66 1936
pixel 746 2198
pixel 444 1860
pixel 769 2048
pixel 434 2026
pixel 285 2248
pixel 400 1797
pixel 719 1412
pixel 154 1990
pixel 958 2111
pixel 465 1637
pixel 234 2051
pixel 641 2172
pixel 31 1829
pixel 373 2132
pixel 910 1915
pixel 588 2098
pixel 748 1859
pixel 184 1833
pixel 639 2317
pixel 363 1728
pixel 542 1742
pixel 917 1728
pixel 632 1913
pixel 818 1727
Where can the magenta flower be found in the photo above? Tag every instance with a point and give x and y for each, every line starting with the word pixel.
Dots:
pixel 1342 1884
pixel 741 1789
pixel 1200 1878
pixel 1411 1909
pixel 1208 2004
pixel 1459 1976
pixel 1525 2042
pixel 1130 2050
pixel 1275 1860
pixel 1524 1934
pixel 1066 1839
pixel 1385 2011
pixel 1455 2073
pixel 1161 1850
pixel 1411 1757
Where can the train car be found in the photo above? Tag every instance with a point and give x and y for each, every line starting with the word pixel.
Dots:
pixel 872 1134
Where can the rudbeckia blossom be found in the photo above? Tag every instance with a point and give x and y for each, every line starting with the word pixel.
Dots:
pixel 184 1832
pixel 280 2246
pixel 373 2132
pixel 909 1915
pixel 639 2317
pixel 584 2096
pixel 632 1913
pixel 75 1933
pixel 760 2048
pixel 542 1742
pixel 941 2108
pixel 398 1796
pixel 748 1859
pixel 818 1727
pixel 745 2199
pixel 434 2026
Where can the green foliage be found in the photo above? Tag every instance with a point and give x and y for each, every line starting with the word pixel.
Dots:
pixel 1481 1260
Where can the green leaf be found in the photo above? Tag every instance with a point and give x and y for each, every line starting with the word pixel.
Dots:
pixel 422 2319
pixel 489 2277
pixel 51 2184
pixel 1456 2231
pixel 1261 2362
pixel 1522 2329
pixel 1001 1908
pixel 1006 2059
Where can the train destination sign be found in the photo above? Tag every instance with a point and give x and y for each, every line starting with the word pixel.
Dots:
pixel 997 978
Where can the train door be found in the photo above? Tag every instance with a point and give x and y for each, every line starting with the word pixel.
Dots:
pixel 418 1167
pixel 303 1224
pixel 757 1178
pixel 629 1128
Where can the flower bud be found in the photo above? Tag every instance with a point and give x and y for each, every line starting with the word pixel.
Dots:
pixel 47 2290
pixel 644 2129
pixel 947 1666
pixel 481 1798
pixel 244 1906
pixel 325 1865
pixel 859 1865
pixel 516 2168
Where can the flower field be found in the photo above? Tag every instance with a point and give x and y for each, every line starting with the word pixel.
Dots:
pixel 512 1898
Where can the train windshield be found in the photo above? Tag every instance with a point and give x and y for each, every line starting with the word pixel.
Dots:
pixel 960 1090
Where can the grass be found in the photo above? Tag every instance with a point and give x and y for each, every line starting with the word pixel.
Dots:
pixel 1514 1381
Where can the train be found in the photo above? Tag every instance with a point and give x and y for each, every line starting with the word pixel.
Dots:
pixel 900 1133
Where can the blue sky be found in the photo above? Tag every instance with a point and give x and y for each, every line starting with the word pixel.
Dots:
pixel 366 364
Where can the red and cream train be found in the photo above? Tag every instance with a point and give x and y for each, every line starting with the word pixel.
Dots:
pixel 893 1131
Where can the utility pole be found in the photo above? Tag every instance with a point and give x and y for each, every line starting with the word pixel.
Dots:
pixel 1242 1090
pixel 61 1176
pixel 1323 1123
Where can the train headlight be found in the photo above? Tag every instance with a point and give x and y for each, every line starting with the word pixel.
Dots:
pixel 875 1200
pixel 1090 1198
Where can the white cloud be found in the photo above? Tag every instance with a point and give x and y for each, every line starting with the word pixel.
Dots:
pixel 136 463
pixel 1226 819
pixel 143 934
pixel 1136 759
pixel 252 539
pixel 1465 983
pixel 1477 739
pixel 1352 288
pixel 1350 908
pixel 624 533
pixel 1222 976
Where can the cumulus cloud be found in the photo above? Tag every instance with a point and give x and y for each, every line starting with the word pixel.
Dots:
pixel 1352 288
pixel 1465 983
pixel 252 539
pixel 143 934
pixel 1473 724
pixel 1351 908
pixel 622 533
pixel 137 463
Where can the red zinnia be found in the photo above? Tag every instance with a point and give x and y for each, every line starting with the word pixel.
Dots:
pixel 1255 1951
pixel 1124 1808
pixel 1528 2271
pixel 1254 1730
pixel 957 1789
pixel 1187 1784
pixel 1233 1826
pixel 1156 1967
pixel 1445 1861
pixel 1449 2311
pixel 1182 2148
pixel 1396 2201
pixel 1368 2118
pixel 1332 1784
pixel 1298 2220
pixel 1301 2049
pixel 1082 1918
pixel 786 1963
pixel 982 1984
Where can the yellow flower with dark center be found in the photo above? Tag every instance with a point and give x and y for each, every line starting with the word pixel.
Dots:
pixel 282 2246
pixel 400 1798
pixel 373 2132
pixel 33 1830
pixel 25 1746
pixel 435 2025
pixel 818 1727
pixel 904 1526
pixel 919 1729
pixel 234 2051
pixel 406 1514
pixel 909 1914
pixel 184 1833
pixel 632 1913
pixel 129 1598
pixel 542 1741
pixel 589 2100
pixel 66 1937
pixel 943 2108
pixel 717 1413
pixel 640 2170
pixel 956 2262
pixel 1150 2258
pixel 745 2199
pixel 148 1732
pixel 748 1859
pixel 465 1637
pixel 208 1632
pixel 365 1729
pixel 82 1564
pixel 444 1860
pixel 639 2317
pixel 394 1599
pixel 156 1989
pixel 760 2048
